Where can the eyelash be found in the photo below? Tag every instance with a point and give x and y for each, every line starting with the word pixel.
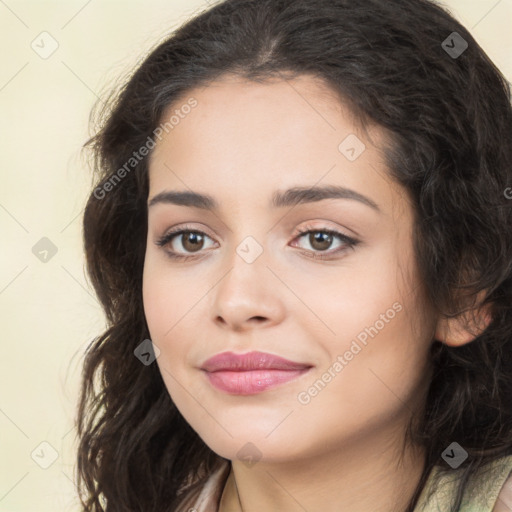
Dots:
pixel 348 241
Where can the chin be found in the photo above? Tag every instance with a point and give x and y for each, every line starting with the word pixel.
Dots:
pixel 250 445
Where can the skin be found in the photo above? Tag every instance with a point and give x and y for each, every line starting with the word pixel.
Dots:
pixel 240 144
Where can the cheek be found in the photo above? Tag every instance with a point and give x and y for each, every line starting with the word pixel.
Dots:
pixel 157 302
pixel 162 306
pixel 371 384
pixel 174 302
pixel 355 299
pixel 166 296
pixel 380 332
pixel 163 309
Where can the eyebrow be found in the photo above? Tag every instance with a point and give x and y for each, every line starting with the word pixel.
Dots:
pixel 280 199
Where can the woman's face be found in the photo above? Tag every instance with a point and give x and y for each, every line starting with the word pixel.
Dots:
pixel 348 308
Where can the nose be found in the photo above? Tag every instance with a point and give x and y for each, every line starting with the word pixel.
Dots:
pixel 248 296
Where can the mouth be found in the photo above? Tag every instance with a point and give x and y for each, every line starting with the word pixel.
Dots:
pixel 251 373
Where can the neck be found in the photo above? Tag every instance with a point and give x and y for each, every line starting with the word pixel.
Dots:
pixel 361 476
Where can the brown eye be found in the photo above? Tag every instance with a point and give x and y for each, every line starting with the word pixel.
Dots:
pixel 192 241
pixel 319 240
pixel 182 243
pixel 185 243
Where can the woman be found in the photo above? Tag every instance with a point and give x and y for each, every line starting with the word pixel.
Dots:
pixel 301 238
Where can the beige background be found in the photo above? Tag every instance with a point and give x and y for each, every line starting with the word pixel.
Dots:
pixel 49 313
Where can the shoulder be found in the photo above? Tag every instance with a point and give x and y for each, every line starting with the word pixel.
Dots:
pixel 492 485
pixel 504 500
pixel 485 491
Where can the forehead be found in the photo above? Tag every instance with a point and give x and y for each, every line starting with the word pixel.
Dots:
pixel 246 138
pixel 234 107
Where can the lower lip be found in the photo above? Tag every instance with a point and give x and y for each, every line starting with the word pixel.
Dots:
pixel 251 382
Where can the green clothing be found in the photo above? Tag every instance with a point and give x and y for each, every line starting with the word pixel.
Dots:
pixel 481 491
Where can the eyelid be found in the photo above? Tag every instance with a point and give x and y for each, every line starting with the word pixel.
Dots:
pixel 169 234
pixel 326 228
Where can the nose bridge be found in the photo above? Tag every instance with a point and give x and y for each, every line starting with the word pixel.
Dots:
pixel 245 291
pixel 247 264
pixel 250 237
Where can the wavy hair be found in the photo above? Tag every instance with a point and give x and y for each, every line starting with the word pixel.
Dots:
pixel 449 120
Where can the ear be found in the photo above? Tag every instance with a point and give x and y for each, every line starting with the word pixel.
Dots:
pixel 464 328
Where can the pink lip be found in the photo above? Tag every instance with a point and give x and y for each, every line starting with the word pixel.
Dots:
pixel 251 373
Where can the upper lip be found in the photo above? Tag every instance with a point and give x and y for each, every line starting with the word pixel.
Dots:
pixel 250 361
